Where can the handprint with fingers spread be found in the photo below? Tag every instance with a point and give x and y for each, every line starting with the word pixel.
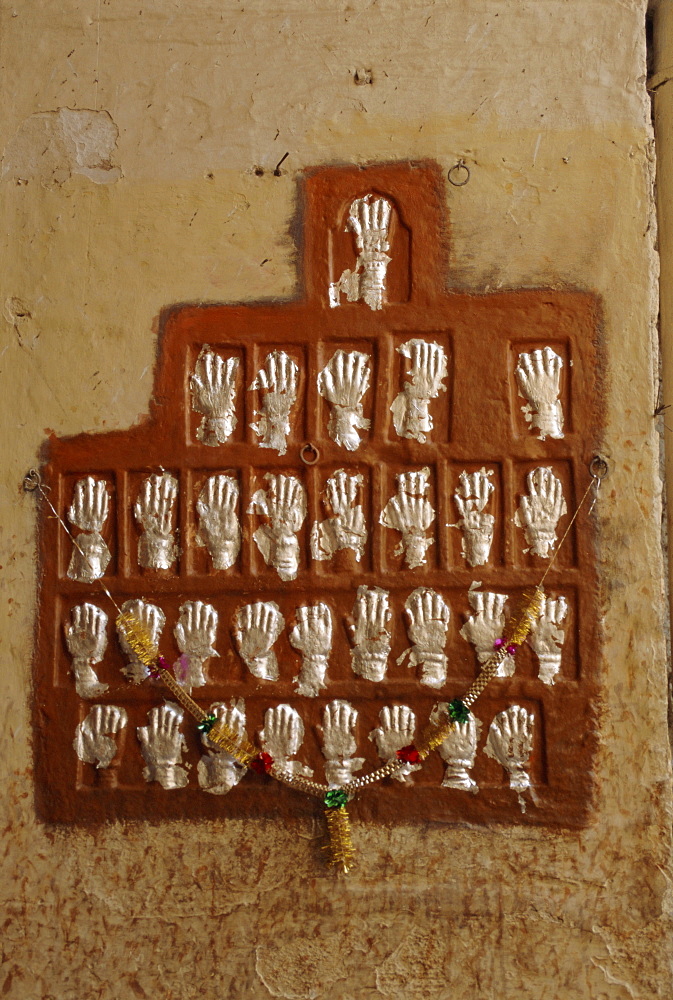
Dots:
pixel 153 620
pixel 92 743
pixel 346 529
pixel 540 510
pixel 343 382
pixel 195 633
pixel 162 745
pixel 282 736
pixel 219 772
pixel 547 638
pixel 339 743
pixel 369 221
pixel 539 377
pixel 510 742
pixel 485 626
pixel 411 407
pixel 219 530
pixel 312 636
pixel 396 730
pixel 256 628
pixel 471 497
pixel 428 617
pixel 88 511
pixel 86 639
pixel 277 383
pixel 283 503
pixel 410 513
pixel 213 389
pixel 371 638
pixel 155 513
pixel 458 752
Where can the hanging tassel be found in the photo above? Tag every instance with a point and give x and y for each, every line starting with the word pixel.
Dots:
pixel 340 851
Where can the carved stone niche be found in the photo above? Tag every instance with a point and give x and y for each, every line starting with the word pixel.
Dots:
pixel 318 563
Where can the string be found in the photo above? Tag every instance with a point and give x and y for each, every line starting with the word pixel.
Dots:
pixel 595 482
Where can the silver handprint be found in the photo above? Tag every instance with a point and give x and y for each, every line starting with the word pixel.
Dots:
pixel 88 511
pixel 346 529
pixel 510 741
pixel 458 751
pixel 92 743
pixel 284 505
pixel 155 513
pixel 540 510
pixel 153 621
pixel 277 382
pixel 471 497
pixel 369 221
pixel 486 625
pixel 339 743
pixel 539 378
pixel 428 617
pixel 343 382
pixel 213 389
pixel 195 633
pixel 410 513
pixel 256 628
pixel 219 530
pixel 411 407
pixel 371 638
pixel 86 639
pixel 219 772
pixel 312 636
pixel 396 730
pixel 162 745
pixel 282 736
pixel 547 638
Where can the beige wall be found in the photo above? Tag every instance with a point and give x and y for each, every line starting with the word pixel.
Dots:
pixel 152 199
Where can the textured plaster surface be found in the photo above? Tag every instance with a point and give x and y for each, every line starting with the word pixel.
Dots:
pixel 545 102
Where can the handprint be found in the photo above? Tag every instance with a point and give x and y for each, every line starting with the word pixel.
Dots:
pixel 162 745
pixel 458 752
pixel 92 744
pixel 547 638
pixel 428 617
pixel 396 730
pixel 257 626
pixel 539 378
pixel 471 497
pixel 371 638
pixel 369 221
pixel 219 772
pixel 339 722
pixel 282 736
pixel 510 741
pixel 347 529
pixel 343 382
pixel 86 639
pixel 411 514
pixel 195 633
pixel 153 621
pixel 540 511
pixel 312 636
pixel 213 389
pixel 88 511
pixel 219 530
pixel 277 381
pixel 411 407
pixel 485 626
pixel 284 504
pixel 154 511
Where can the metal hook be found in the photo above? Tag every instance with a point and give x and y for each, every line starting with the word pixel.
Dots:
pixel 453 173
pixel 599 469
pixel 32 481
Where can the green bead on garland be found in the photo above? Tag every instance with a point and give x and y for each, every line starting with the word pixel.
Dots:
pixel 336 798
pixel 458 711
pixel 205 725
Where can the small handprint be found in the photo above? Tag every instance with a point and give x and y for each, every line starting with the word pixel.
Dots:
pixel 213 389
pixel 539 377
pixel 153 621
pixel 369 221
pixel 219 772
pixel 277 382
pixel 398 724
pixel 428 618
pixel 195 633
pixel 471 497
pixel 256 628
pixel 312 636
pixel 339 723
pixel 411 407
pixel 219 530
pixel 347 529
pixel 92 744
pixel 88 511
pixel 540 511
pixel 343 382
pixel 510 741
pixel 458 751
pixel 411 514
pixel 547 638
pixel 86 639
pixel 371 638
pixel 154 511
pixel 282 736
pixel 284 505
pixel 485 626
pixel 162 745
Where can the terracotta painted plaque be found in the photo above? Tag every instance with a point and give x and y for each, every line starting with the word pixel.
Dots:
pixel 324 521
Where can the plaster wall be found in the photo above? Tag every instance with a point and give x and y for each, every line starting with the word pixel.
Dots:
pixel 134 136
